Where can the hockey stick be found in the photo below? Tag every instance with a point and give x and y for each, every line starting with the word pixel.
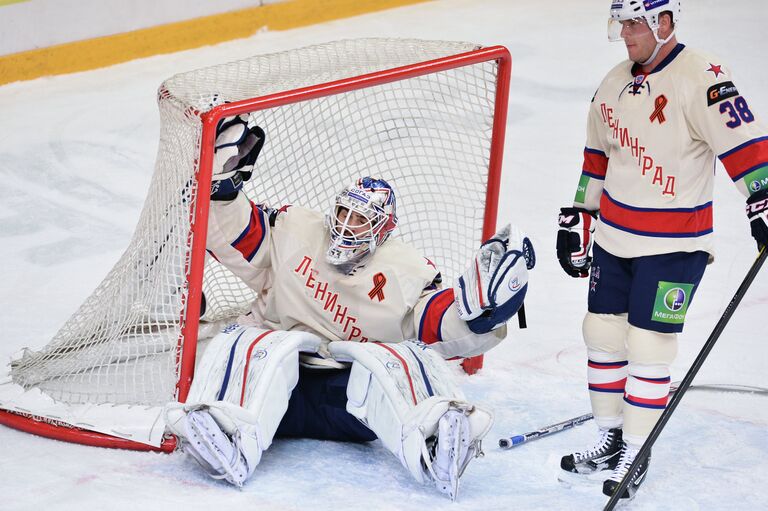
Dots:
pixel 690 375
pixel 508 443
pixel 513 441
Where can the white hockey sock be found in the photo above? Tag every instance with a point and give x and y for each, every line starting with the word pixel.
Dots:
pixel 644 401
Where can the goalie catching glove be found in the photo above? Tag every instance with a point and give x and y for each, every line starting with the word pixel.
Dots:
pixel 235 153
pixel 574 240
pixel 493 288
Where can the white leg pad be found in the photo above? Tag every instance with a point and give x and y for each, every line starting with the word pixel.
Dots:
pixel 244 383
pixel 403 393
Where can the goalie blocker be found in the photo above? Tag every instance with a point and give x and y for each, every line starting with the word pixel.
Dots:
pixel 403 392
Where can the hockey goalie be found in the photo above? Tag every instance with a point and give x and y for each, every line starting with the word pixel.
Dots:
pixel 348 336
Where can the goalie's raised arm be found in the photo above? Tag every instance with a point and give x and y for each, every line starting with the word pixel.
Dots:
pixel 238 230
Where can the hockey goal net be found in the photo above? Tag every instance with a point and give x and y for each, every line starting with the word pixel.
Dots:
pixel 427 116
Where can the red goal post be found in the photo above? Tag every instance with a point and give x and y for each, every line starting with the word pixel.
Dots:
pixel 190 291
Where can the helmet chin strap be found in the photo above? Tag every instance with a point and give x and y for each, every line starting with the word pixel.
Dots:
pixel 659 44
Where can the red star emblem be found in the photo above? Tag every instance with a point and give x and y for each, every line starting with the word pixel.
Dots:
pixel 716 69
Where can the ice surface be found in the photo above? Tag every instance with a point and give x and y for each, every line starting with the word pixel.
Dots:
pixel 76 156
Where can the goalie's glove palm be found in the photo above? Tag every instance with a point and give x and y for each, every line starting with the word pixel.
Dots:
pixel 237 148
pixel 492 289
pixel 574 240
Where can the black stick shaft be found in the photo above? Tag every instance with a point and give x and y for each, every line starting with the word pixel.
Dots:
pixel 690 375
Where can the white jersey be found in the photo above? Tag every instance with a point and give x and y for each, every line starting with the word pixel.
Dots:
pixel 395 296
pixel 650 153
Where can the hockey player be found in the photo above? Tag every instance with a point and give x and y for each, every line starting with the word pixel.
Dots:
pixel 655 125
pixel 289 369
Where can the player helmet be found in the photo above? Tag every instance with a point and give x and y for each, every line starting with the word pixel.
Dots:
pixel 640 11
pixel 362 219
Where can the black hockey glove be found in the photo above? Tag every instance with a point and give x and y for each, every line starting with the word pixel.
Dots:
pixel 574 240
pixel 237 148
pixel 757 212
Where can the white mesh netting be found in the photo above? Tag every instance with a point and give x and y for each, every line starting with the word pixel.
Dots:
pixel 429 136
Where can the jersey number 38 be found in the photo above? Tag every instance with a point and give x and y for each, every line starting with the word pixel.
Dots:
pixel 738 111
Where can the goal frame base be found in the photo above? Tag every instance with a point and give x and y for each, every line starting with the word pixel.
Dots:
pixel 71 434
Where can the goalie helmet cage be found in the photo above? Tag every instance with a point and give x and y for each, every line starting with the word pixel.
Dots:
pixel 428 116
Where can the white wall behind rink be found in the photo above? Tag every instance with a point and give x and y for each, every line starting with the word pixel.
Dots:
pixel 31 24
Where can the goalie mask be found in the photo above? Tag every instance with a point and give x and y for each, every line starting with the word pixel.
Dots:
pixel 362 219
pixel 630 12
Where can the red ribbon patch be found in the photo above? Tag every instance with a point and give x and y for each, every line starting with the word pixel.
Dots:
pixel 378 287
pixel 658 113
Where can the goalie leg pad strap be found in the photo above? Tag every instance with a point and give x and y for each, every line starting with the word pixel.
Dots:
pixel 401 391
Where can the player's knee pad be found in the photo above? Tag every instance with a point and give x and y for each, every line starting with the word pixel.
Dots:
pixel 401 391
pixel 646 347
pixel 245 380
pixel 605 335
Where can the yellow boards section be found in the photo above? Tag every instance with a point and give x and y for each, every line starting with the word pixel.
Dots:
pixel 184 35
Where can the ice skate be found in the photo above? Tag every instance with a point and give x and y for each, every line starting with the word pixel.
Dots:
pixel 595 462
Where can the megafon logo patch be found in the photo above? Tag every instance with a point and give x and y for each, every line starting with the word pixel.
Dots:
pixel 671 304
pixel 721 91
pixel 674 299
